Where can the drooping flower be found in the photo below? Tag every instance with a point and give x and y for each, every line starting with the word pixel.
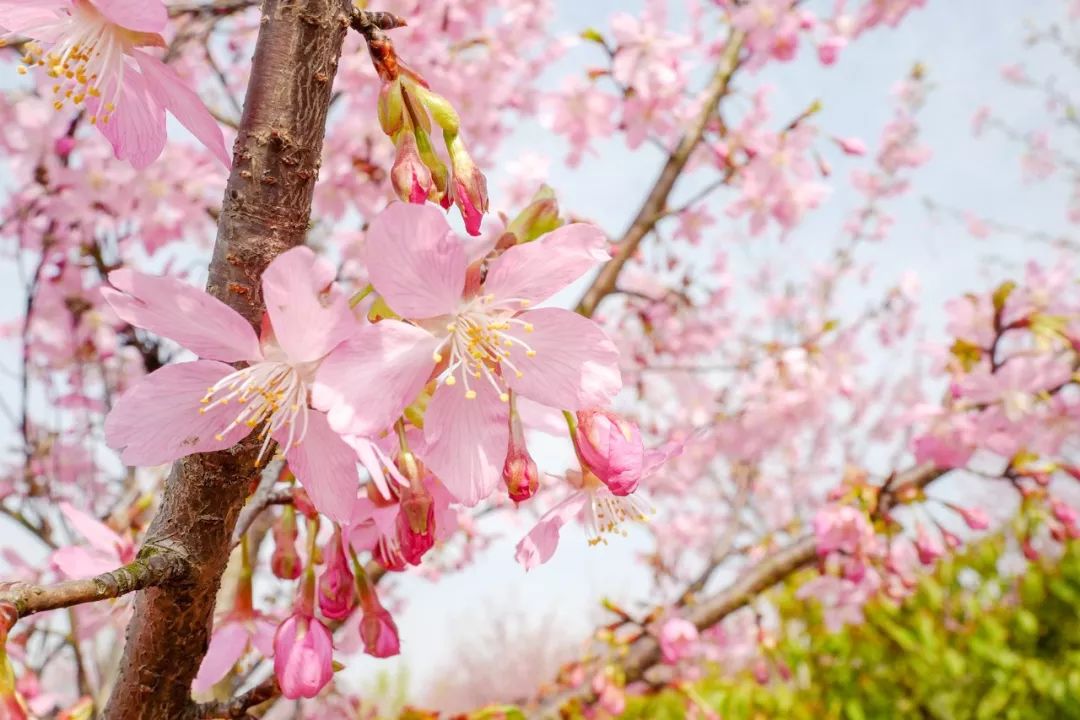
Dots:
pixel 208 405
pixel 303 656
pixel 482 345
pixel 336 597
pixel 612 448
pixel 91 49
pixel 377 627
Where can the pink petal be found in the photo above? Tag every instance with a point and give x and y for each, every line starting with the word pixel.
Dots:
pixel 539 545
pixel 142 15
pixel 537 270
pixel 465 440
pixel 326 467
pixel 136 129
pixel 307 323
pixel 171 92
pixel 366 382
pixel 377 464
pixel 22 17
pixel 173 309
pixel 98 534
pixel 262 635
pixel 227 646
pixel 78 562
pixel 158 420
pixel 415 261
pixel 575 367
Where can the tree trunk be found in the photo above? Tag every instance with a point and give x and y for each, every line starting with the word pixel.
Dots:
pixel 266 211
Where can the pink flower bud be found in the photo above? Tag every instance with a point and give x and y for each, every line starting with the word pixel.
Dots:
pixel 851 146
pixel 519 470
pixel 1029 550
pixel 285 561
pixel 1063 513
pixel 336 586
pixel 415 525
pixel 303 656
pixel 678 640
pixel 829 50
pixel 469 185
pixel 377 627
pixel 927 546
pixel 975 518
pixel 520 474
pixel 64 145
pixel 410 177
pixel 612 448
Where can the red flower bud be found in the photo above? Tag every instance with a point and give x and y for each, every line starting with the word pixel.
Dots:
pixel 469 185
pixel 410 177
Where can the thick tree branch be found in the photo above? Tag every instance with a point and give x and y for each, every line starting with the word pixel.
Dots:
pixel 652 210
pixel 266 211
pixel 157 569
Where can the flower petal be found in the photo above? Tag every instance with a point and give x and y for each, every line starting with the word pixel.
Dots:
pixel 173 309
pixel 98 534
pixel 539 545
pixel 537 270
pixel 415 261
pixel 366 382
pixel 136 129
pixel 78 562
pixel 465 441
pixel 576 366
pixel 142 15
pixel 171 92
pixel 326 467
pixel 227 645
pixel 158 419
pixel 307 323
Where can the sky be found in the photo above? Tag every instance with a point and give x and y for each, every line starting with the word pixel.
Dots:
pixel 962 43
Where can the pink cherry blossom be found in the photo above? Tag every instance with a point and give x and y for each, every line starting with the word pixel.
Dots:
pixel 842 528
pixel 611 448
pixel 482 345
pixel 303 656
pixel 206 405
pixel 107 550
pixel 678 639
pixel 91 48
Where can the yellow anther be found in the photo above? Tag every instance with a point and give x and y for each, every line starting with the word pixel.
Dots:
pixel 21 70
pixel 505 397
pixel 470 394
pixel 219 437
pixel 530 353
pixel 528 327
pixel 451 380
pixel 59 104
pixel 436 356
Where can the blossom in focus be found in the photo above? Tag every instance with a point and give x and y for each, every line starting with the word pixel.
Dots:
pixel 208 405
pixel 91 49
pixel 303 656
pixel 612 448
pixel 481 344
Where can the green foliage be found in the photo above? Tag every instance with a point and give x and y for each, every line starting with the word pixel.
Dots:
pixel 968 644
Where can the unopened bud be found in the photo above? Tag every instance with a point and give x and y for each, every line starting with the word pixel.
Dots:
pixel 469 185
pixel 410 177
pixel 285 561
pixel 520 474
pixel 541 216
pixel 336 586
pixel 391 108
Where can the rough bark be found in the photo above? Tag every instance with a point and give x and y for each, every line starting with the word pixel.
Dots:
pixel 266 211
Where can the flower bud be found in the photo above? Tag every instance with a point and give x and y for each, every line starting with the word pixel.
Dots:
pixel 678 639
pixel 469 185
pixel 928 547
pixel 303 656
pixel 377 627
pixel 975 518
pixel 64 145
pixel 612 448
pixel 519 470
pixel 285 561
pixel 410 177
pixel 336 586
pixel 541 216
pixel 391 108
pixel 415 525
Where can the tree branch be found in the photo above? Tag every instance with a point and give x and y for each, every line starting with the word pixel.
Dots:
pixel 266 210
pixel 652 210
pixel 25 599
pixel 644 652
pixel 238 706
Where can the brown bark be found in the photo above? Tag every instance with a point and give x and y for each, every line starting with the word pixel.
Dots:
pixel 266 211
